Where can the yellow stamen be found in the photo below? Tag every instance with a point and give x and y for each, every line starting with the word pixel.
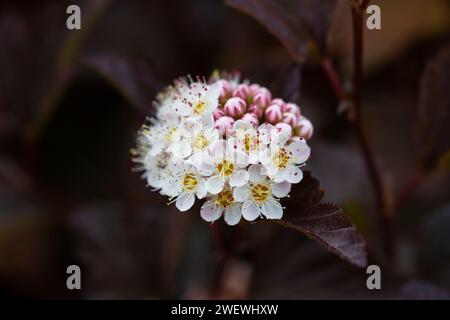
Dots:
pixel 259 192
pixel 190 182
pixel 281 159
pixel 200 108
pixel 225 168
pixel 200 141
pixel 224 199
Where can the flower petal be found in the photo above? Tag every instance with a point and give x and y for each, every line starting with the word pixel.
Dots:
pixel 239 178
pixel 214 184
pixel 279 176
pixel 300 151
pixel 201 189
pixel 257 173
pixel 210 212
pixel 250 210
pixel 205 166
pixel 272 209
pixel 233 214
pixel 240 194
pixel 185 201
pixel 293 174
pixel 281 190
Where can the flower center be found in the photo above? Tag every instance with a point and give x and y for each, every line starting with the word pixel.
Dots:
pixel 259 192
pixel 225 168
pixel 224 199
pixel 171 134
pixel 190 182
pixel 248 142
pixel 281 158
pixel 199 108
pixel 200 141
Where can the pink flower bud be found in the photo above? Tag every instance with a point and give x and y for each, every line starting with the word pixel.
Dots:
pixel 235 107
pixel 262 97
pixel 251 118
pixel 254 88
pixel 225 90
pixel 304 128
pixel 279 102
pixel 284 128
pixel 242 91
pixel 224 124
pixel 218 113
pixel 290 118
pixel 255 110
pixel 273 114
pixel 292 108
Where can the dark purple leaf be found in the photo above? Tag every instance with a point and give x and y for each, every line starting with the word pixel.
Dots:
pixel 287 84
pixel 316 17
pixel 135 80
pixel 433 113
pixel 324 222
pixel 279 22
pixel 422 290
pixel 295 24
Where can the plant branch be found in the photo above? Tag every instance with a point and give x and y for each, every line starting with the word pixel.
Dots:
pixel 368 154
pixel 411 186
pixel 333 76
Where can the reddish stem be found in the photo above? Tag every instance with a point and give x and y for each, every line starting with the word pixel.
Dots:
pixel 374 173
pixel 335 81
pixel 413 184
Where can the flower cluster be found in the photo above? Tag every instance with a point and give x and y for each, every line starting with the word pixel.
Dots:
pixel 225 141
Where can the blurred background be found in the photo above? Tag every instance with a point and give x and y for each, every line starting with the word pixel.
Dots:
pixel 71 102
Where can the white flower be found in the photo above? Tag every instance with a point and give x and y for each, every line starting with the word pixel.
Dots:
pixel 197 139
pixel 249 139
pixel 259 196
pixel 183 184
pixel 220 203
pixel 282 160
pixel 226 164
pixel 162 134
pixel 198 101
pixel 155 170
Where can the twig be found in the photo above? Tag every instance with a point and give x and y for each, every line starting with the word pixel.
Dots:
pixel 411 186
pixel 335 81
pixel 374 173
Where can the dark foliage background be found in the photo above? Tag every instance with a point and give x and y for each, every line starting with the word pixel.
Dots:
pixel 72 101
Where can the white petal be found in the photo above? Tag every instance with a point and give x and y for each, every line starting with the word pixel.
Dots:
pixel 214 184
pixel 205 166
pixel 279 176
pixel 213 93
pixel 300 151
pixel 185 201
pixel 201 189
pixel 218 149
pixel 182 149
pixel 210 212
pixel 239 178
pixel 241 125
pixel 173 188
pixel 250 210
pixel 281 190
pixel 233 214
pixel 257 173
pixel 207 121
pixel 253 157
pixel 293 174
pixel 157 148
pixel 240 194
pixel 272 209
